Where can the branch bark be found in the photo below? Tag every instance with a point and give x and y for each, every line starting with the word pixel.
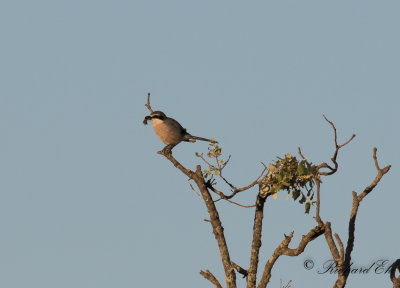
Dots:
pixel 283 249
pixel 148 103
pixel 210 277
pixel 343 260
pixel 240 270
pixel 256 243
pixel 218 230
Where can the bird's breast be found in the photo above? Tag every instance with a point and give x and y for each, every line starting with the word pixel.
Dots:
pixel 167 133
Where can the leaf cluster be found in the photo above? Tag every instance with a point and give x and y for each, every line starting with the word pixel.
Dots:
pixel 214 151
pixel 294 176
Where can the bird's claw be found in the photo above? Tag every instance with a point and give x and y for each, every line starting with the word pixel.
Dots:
pixel 167 150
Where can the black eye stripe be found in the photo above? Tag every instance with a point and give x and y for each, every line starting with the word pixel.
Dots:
pixel 157 117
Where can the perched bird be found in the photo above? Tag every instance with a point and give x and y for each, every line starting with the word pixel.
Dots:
pixel 170 131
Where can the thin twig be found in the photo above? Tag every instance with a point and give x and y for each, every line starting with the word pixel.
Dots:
pixel 287 285
pixel 194 190
pixel 301 155
pixel 224 197
pixel 148 103
pixel 237 190
pixel 238 204
pixel 337 148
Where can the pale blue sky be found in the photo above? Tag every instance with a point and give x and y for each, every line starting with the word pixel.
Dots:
pixel 87 202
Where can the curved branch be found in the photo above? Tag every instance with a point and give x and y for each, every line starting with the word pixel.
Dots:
pixel 335 154
pixel 283 249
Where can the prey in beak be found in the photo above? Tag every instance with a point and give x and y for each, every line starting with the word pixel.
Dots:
pixel 146 119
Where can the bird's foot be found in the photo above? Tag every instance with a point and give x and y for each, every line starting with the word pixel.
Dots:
pixel 167 150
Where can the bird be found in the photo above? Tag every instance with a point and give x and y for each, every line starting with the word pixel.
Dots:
pixel 170 131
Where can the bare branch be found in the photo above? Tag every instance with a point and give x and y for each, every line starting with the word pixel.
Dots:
pixel 318 204
pixel 168 155
pixel 283 249
pixel 333 159
pixel 356 202
pixel 378 177
pixel 301 155
pixel 340 245
pixel 256 242
pixel 238 204
pixel 237 190
pixel 287 285
pixel 240 269
pixel 218 230
pixel 216 191
pixel 234 188
pixel 195 192
pixel 148 103
pixel 343 260
pixel 305 240
pixel 210 277
pixel 331 243
pixel 202 158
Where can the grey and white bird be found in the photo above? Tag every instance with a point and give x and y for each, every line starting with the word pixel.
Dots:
pixel 170 131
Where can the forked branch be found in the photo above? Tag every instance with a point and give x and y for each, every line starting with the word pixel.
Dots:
pixel 240 270
pixel 148 103
pixel 343 259
pixel 335 154
pixel 283 249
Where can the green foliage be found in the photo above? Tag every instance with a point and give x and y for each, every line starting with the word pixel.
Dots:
pixel 297 178
pixel 294 176
pixel 214 151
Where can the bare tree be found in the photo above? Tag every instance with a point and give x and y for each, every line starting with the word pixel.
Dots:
pixel 299 178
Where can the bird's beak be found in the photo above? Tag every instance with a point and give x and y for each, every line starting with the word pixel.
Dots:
pixel 145 119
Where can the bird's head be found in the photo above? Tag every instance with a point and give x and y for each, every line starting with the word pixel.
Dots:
pixel 155 115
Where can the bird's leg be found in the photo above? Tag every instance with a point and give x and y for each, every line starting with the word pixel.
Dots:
pixel 167 149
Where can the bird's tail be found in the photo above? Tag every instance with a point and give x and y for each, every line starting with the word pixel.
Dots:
pixel 191 138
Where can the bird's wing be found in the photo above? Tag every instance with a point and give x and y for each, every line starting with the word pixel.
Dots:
pixel 175 125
